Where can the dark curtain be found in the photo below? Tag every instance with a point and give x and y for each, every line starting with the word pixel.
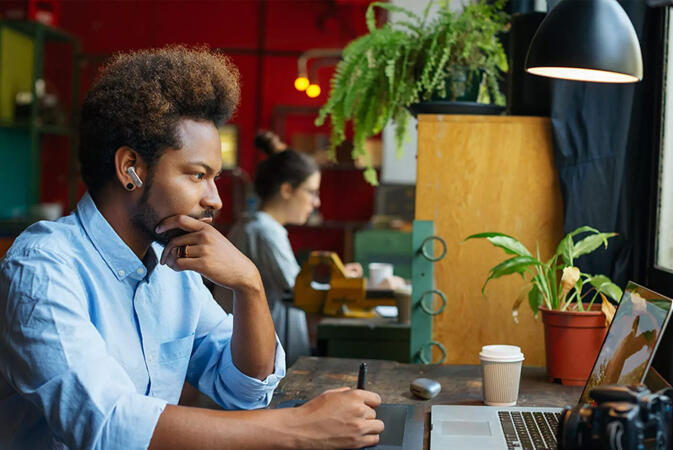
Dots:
pixel 603 148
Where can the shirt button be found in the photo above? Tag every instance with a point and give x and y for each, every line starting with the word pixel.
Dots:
pixel 141 271
pixel 121 273
pixel 149 358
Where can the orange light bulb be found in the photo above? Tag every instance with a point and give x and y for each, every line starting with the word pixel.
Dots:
pixel 301 83
pixel 313 91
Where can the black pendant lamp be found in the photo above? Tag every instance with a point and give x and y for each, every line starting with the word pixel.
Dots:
pixel 586 40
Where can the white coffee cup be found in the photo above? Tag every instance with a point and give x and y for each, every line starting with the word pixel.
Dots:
pixel 379 272
pixel 501 374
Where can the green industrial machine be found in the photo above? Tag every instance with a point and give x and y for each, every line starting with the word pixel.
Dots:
pixel 384 246
pixel 387 339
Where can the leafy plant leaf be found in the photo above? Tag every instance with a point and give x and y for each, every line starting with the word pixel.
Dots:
pixel 535 299
pixel 608 309
pixel 371 177
pixel 518 264
pixel 603 285
pixel 510 245
pixel 518 301
pixel 565 250
pixel 591 243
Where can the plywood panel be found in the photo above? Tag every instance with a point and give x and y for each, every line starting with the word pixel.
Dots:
pixel 486 173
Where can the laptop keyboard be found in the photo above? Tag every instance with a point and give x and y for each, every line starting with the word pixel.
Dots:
pixel 529 430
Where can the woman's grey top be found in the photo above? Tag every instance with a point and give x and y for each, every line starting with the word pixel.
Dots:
pixel 262 239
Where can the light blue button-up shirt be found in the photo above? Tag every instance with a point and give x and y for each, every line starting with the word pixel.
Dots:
pixel 95 342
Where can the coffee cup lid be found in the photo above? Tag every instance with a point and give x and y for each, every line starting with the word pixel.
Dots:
pixel 501 353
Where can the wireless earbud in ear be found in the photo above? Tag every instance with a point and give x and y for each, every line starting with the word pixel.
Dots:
pixel 134 176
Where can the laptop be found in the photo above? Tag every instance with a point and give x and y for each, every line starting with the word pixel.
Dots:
pixel 625 357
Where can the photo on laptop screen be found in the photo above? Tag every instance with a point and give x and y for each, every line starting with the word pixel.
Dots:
pixel 632 340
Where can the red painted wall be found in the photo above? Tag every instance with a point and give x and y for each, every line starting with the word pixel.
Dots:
pixel 264 39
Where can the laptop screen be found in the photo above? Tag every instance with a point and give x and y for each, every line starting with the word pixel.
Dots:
pixel 632 339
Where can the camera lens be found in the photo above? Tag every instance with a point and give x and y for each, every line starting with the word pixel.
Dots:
pixel 572 426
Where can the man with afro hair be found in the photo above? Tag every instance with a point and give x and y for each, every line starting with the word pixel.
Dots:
pixel 103 313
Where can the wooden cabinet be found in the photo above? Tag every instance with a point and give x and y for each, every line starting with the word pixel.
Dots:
pixel 477 174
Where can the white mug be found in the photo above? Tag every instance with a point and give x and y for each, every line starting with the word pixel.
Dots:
pixel 379 272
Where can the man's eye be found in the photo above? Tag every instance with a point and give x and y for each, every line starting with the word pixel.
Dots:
pixel 199 176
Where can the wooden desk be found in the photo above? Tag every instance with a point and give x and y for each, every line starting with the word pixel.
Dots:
pixel 461 385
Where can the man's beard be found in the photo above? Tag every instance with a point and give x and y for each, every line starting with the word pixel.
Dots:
pixel 146 218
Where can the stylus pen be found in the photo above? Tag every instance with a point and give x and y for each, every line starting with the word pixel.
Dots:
pixel 362 376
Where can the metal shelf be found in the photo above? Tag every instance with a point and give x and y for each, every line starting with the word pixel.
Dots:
pixel 37 29
pixel 41 34
pixel 58 130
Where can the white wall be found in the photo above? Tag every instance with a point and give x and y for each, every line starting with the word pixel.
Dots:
pixel 401 170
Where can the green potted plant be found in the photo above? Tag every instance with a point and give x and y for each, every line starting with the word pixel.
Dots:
pixel 409 61
pixel 575 324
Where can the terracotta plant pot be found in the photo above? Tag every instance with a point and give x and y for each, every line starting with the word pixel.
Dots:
pixel 572 342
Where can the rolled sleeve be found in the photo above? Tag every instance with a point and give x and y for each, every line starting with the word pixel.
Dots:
pixel 212 369
pixel 252 392
pixel 132 412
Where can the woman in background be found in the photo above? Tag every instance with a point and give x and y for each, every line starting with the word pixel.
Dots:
pixel 288 186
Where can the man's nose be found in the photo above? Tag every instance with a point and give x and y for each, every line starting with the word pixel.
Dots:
pixel 211 199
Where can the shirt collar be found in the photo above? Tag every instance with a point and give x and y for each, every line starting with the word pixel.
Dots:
pixel 114 251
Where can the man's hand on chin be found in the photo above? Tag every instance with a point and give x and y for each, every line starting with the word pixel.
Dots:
pixel 205 250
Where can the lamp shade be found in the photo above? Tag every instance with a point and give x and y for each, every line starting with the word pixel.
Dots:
pixel 586 40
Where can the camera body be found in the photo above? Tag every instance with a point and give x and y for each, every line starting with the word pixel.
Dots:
pixel 625 417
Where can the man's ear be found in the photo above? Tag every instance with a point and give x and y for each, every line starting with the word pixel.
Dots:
pixel 286 191
pixel 125 158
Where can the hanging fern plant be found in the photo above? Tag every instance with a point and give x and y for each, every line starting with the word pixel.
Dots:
pixel 408 61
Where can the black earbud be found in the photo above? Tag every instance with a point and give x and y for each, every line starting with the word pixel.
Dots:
pixel 130 187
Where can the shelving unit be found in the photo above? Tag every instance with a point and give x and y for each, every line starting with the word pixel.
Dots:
pixel 29 132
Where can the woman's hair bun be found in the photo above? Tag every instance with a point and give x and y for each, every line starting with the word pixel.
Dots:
pixel 269 142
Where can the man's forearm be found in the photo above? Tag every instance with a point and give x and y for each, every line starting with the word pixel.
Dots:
pixel 253 343
pixel 180 427
pixel 340 418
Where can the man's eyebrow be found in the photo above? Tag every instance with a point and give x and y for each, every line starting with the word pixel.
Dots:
pixel 202 164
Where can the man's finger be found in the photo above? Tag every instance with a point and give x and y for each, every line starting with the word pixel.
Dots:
pixel 181 221
pixel 176 243
pixel 169 257
pixel 375 426
pixel 371 399
pixel 370 413
pixel 370 440
pixel 341 389
pixel 181 264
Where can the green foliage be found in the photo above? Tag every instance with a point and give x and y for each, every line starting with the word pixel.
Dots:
pixel 552 283
pixel 408 61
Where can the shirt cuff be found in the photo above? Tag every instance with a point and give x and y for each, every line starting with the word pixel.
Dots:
pixel 137 415
pixel 251 390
